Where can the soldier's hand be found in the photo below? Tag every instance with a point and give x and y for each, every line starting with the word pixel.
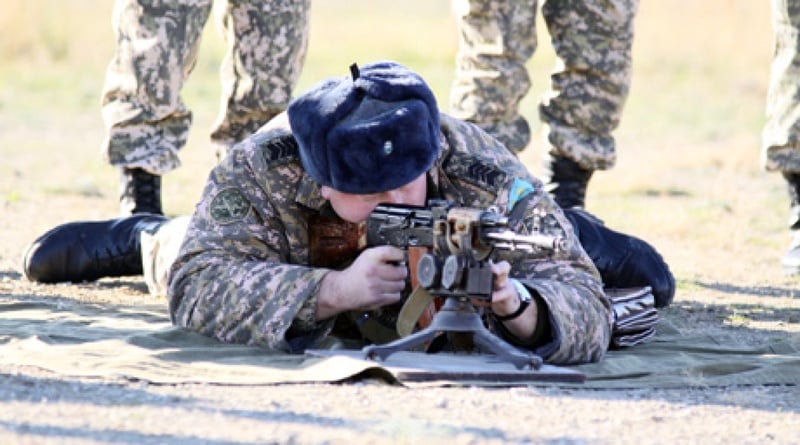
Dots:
pixel 376 278
pixel 506 300
pixel 504 295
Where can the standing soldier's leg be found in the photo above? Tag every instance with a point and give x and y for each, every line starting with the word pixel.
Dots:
pixel 496 40
pixel 791 259
pixel 146 121
pixel 592 39
pixel 781 137
pixel 267 43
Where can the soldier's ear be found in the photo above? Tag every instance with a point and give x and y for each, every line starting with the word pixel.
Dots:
pixel 325 191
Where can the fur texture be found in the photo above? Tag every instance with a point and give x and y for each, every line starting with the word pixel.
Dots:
pixel 370 132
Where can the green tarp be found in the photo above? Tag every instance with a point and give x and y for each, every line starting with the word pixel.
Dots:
pixel 138 343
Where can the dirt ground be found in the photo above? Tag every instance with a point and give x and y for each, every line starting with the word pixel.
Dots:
pixel 44 409
pixel 748 297
pixel 687 180
pixel 39 407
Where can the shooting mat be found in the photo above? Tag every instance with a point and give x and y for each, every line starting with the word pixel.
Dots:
pixel 138 343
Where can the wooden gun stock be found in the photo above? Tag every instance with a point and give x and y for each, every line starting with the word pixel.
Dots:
pixel 334 243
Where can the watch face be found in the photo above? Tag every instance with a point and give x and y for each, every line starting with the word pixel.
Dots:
pixel 524 293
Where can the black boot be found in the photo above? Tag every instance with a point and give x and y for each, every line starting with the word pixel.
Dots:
pixel 791 259
pixel 565 181
pixel 139 192
pixel 86 251
pixel 623 261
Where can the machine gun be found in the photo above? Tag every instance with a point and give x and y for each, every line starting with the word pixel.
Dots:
pixel 458 241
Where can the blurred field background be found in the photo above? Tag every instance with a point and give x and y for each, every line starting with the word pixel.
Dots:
pixel 688 177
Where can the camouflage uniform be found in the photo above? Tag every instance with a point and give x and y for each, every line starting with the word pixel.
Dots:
pixel 243 274
pixel 157 42
pixel 592 39
pixel 781 137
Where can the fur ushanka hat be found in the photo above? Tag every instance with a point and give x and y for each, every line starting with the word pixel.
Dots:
pixel 370 132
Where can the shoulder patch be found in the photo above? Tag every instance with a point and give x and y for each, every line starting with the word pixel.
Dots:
pixel 475 171
pixel 278 150
pixel 519 189
pixel 229 205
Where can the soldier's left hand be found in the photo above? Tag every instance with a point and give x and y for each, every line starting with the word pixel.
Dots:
pixel 505 299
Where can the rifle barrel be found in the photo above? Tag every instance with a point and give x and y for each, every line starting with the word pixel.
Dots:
pixel 511 240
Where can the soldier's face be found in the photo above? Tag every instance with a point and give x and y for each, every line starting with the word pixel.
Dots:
pixel 356 208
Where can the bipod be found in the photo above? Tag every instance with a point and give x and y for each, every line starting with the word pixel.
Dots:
pixel 458 314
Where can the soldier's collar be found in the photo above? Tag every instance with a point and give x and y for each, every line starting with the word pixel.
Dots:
pixel 308 193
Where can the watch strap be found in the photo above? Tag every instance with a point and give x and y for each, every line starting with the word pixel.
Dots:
pixel 524 301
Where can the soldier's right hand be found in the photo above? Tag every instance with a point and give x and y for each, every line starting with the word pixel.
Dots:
pixel 376 278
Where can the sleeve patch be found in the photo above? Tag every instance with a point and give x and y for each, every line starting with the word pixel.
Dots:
pixel 519 189
pixel 228 206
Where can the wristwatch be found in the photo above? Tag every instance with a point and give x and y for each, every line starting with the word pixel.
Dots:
pixel 525 300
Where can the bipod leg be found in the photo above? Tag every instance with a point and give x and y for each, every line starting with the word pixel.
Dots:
pixel 458 315
pixel 417 338
pixel 505 351
pixel 454 316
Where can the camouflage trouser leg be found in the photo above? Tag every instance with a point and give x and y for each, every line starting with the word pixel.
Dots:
pixel 781 136
pixel 146 121
pixel 496 40
pixel 267 43
pixel 160 250
pixel 593 40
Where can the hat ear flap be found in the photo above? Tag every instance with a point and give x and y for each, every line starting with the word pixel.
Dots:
pixel 312 115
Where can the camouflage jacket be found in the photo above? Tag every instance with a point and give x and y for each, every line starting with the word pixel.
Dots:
pixel 243 274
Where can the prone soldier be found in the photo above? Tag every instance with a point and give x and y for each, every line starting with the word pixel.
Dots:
pixel 244 272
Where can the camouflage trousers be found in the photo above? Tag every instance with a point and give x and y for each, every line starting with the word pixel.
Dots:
pixel 160 250
pixel 781 136
pixel 592 40
pixel 146 121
